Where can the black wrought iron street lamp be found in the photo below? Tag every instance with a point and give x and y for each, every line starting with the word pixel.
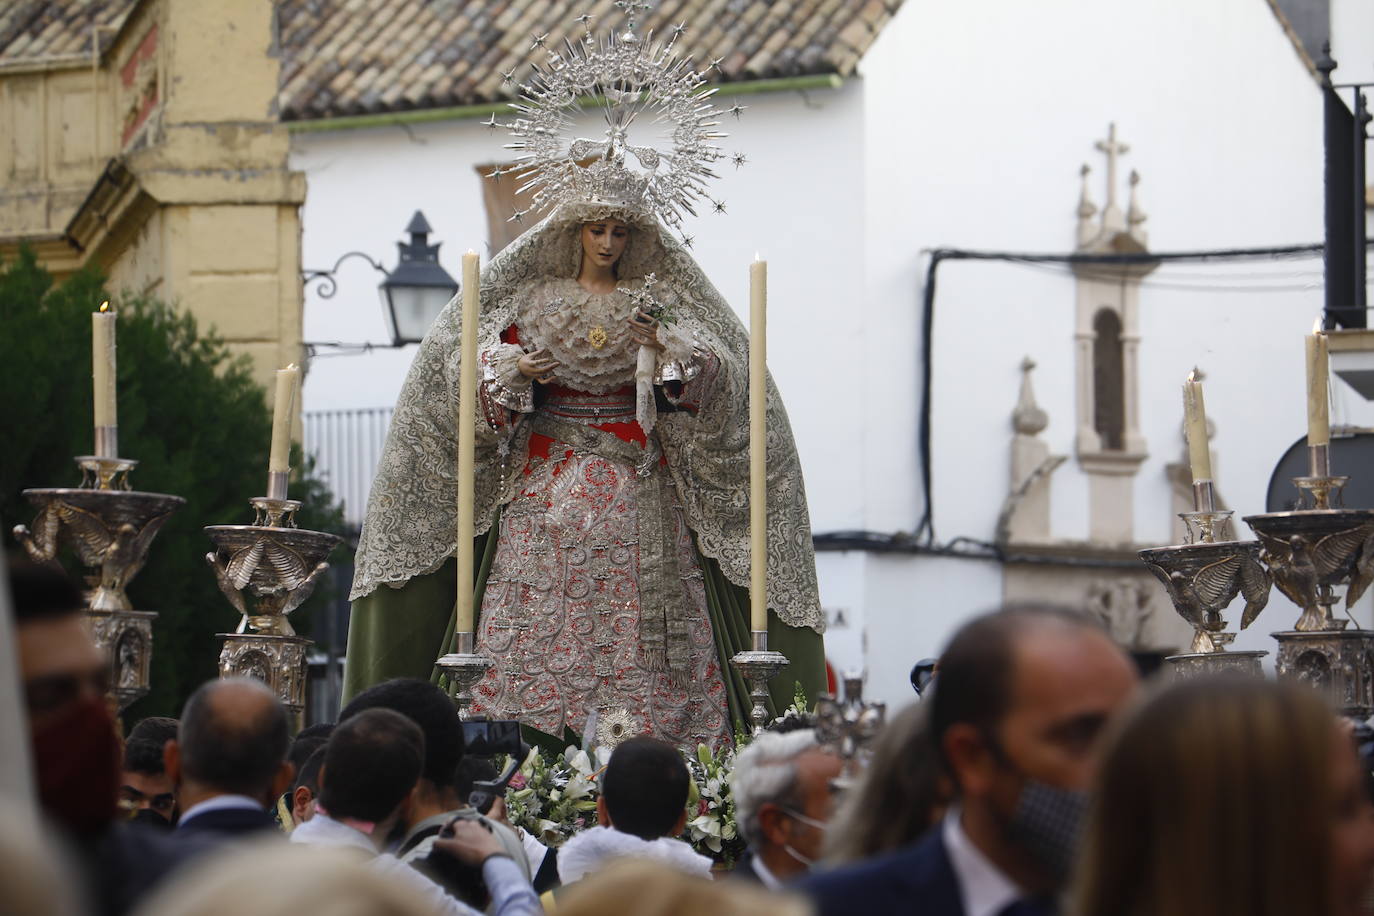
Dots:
pixel 418 289
pixel 412 295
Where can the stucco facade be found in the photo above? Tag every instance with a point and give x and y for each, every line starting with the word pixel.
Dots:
pixel 146 160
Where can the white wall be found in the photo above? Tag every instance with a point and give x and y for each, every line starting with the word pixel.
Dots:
pixel 1352 40
pixel 978 118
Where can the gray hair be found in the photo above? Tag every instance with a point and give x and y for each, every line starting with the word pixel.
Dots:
pixel 766 773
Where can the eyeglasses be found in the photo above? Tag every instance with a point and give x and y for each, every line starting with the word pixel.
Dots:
pixel 131 800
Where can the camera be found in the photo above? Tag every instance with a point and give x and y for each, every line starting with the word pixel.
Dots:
pixel 490 738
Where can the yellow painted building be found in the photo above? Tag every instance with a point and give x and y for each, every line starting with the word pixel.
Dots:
pixel 142 136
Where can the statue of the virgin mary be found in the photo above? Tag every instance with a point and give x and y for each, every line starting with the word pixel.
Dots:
pixel 612 471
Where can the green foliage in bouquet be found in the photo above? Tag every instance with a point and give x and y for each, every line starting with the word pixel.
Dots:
pixel 192 416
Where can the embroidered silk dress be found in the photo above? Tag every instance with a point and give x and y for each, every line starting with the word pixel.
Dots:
pixel 595 602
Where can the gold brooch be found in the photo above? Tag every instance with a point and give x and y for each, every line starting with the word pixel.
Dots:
pixel 597 337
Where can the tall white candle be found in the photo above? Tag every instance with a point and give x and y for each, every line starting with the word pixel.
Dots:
pixel 467 414
pixel 758 429
pixel 1195 424
pixel 283 415
pixel 103 367
pixel 1318 410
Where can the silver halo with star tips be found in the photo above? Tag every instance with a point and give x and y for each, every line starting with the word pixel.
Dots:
pixel 638 84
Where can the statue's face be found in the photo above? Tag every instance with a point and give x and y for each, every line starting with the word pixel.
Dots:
pixel 604 242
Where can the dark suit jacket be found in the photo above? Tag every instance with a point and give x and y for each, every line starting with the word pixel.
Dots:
pixel 915 879
pixel 226 822
pixel 148 856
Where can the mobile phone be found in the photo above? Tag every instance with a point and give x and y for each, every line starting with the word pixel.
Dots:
pixel 492 737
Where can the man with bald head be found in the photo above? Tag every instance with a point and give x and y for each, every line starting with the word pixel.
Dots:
pixel 229 758
pixel 1020 700
pixel 228 763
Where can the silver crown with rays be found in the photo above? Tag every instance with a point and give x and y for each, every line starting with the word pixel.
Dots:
pixel 636 83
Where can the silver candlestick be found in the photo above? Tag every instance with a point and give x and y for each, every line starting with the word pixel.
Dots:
pixel 1311 552
pixel 759 665
pixel 1202 578
pixel 110 527
pixel 267 570
pixel 464 669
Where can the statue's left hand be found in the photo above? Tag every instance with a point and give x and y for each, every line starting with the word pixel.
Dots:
pixel 644 330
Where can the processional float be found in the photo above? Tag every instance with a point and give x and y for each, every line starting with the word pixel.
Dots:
pixel 109 526
pixel 1308 553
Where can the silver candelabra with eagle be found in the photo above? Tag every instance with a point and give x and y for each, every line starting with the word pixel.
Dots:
pixel 267 570
pixel 1312 551
pixel 110 528
pixel 1202 578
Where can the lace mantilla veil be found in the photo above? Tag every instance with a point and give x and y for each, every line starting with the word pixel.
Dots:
pixel 411 520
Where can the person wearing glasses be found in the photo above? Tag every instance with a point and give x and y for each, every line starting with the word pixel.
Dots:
pixel 146 792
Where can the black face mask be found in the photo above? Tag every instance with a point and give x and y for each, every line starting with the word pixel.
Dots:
pixel 150 818
pixel 1047 824
pixel 1047 820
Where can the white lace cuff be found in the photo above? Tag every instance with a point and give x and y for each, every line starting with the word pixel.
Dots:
pixel 502 380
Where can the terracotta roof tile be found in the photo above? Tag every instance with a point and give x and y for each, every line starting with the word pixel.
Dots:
pixel 351 56
pixel 343 57
pixel 38 29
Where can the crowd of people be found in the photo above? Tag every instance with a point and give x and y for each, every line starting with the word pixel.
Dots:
pixel 1038 775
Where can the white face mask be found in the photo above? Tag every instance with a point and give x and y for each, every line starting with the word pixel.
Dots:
pixel 808 821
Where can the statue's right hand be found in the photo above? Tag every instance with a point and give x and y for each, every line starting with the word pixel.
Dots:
pixel 537 365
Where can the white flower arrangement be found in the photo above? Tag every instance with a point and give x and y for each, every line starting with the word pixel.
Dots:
pixel 553 796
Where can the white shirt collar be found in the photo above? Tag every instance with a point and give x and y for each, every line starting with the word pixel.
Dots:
pixel 323 830
pixel 222 803
pixel 769 879
pixel 984 890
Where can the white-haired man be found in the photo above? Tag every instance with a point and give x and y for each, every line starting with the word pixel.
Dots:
pixel 783 799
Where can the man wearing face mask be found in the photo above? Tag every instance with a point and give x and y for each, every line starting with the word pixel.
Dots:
pixel 72 738
pixel 1020 700
pixel 76 752
pixel 783 799
pixel 146 793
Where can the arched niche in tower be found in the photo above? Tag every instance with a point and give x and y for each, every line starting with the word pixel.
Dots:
pixel 1109 381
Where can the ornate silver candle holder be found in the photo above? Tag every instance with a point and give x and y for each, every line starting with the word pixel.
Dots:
pixel 464 669
pixel 267 570
pixel 110 528
pixel 848 727
pixel 1339 662
pixel 1311 552
pixel 759 665
pixel 1202 578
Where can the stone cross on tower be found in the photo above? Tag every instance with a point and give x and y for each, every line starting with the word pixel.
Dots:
pixel 1111 214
